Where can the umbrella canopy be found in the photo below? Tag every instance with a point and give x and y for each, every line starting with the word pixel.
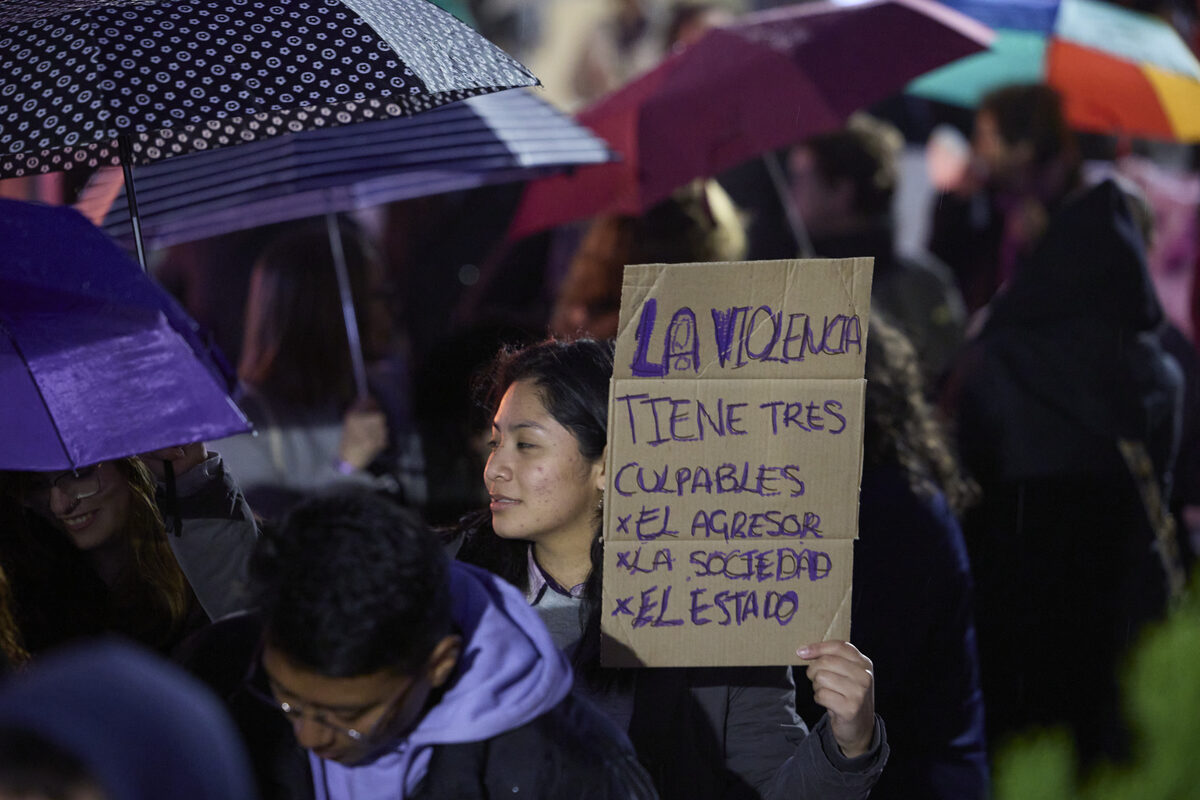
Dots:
pixel 506 136
pixel 769 79
pixel 1118 71
pixel 78 75
pixel 96 361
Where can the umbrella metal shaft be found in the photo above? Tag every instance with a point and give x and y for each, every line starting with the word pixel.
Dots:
pixel 795 222
pixel 125 149
pixel 348 313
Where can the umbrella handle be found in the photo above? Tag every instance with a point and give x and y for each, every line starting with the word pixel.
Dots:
pixel 125 153
pixel 348 313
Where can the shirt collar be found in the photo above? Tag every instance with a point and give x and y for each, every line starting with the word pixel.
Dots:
pixel 540 581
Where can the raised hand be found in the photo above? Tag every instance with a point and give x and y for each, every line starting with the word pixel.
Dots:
pixel 843 682
pixel 364 434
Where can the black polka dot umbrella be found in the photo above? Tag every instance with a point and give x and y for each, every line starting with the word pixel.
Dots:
pixel 96 82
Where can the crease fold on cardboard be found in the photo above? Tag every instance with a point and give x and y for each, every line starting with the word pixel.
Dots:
pixel 839 624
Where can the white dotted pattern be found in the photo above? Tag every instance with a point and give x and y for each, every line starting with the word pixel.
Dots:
pixel 187 76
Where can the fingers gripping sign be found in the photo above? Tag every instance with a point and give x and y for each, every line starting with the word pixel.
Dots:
pixel 843 682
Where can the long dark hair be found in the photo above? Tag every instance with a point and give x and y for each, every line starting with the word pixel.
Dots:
pixel 295 348
pixel 900 427
pixel 572 378
pixel 57 594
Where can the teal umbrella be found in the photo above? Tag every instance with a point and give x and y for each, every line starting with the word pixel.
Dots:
pixel 458 8
pixel 1014 57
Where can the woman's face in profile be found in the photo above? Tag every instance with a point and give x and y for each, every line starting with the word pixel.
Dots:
pixel 90 505
pixel 541 486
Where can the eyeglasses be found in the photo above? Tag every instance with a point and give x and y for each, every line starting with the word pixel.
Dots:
pixel 77 485
pixel 295 711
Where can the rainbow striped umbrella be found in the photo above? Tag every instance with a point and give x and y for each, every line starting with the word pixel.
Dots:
pixel 1118 71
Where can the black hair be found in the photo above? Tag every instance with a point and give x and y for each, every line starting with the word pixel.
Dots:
pixel 350 584
pixel 572 379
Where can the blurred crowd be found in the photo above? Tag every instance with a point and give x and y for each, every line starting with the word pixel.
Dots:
pixel 407 567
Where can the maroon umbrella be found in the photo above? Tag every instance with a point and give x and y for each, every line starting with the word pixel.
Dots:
pixel 768 80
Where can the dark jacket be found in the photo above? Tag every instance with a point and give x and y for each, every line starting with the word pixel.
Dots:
pixel 719 732
pixel 1068 362
pixel 570 751
pixel 913 614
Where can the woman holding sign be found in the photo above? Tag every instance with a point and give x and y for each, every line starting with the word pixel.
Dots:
pixel 700 732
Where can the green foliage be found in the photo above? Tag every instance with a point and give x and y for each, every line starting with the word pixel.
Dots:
pixel 1040 766
pixel 1162 698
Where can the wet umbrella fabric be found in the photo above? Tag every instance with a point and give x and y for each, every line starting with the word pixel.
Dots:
pixel 96 361
pixel 1118 71
pixel 766 81
pixel 488 139
pixel 176 77
pixel 506 136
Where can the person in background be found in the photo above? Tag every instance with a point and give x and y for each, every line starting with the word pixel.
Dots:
pixel 108 721
pixel 700 733
pixel 689 21
pixel 91 550
pixel 913 602
pixel 698 223
pixel 390 671
pixel 1067 412
pixel 298 386
pixel 626 42
pixel 211 277
pixel 842 185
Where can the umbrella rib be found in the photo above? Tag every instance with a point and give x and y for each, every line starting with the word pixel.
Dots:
pixel 38 387
pixel 88 30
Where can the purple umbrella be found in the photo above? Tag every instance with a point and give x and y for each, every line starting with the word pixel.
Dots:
pixel 96 361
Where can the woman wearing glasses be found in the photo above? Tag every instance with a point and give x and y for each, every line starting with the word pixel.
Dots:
pixel 700 733
pixel 89 550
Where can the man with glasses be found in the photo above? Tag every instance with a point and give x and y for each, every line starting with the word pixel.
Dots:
pixel 403 674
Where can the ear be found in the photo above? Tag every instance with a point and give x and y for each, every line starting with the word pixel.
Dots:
pixel 598 472
pixel 443 660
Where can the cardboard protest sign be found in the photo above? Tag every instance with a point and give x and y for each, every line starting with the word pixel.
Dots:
pixel 734 461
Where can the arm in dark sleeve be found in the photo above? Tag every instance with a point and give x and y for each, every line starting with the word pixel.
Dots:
pixel 218 537
pixel 768 745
